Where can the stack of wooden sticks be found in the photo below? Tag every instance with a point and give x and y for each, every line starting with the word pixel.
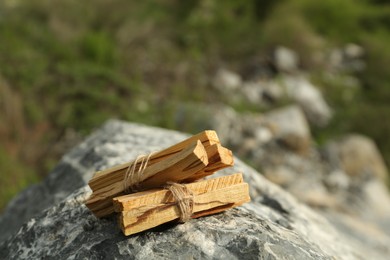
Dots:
pixel 146 192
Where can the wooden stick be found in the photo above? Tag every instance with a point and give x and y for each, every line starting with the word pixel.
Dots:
pixel 149 209
pixel 115 174
pixel 150 216
pixel 175 168
pixel 161 196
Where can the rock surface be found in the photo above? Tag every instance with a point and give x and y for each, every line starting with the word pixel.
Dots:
pixel 266 93
pixel 226 80
pixel 302 91
pixel 246 133
pixel 290 127
pixel 275 225
pixel 358 156
pixel 286 60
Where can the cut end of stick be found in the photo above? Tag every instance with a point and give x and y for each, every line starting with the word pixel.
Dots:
pixel 219 158
pixel 212 137
pixel 200 151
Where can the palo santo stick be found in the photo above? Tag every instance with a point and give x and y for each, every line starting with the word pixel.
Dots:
pixel 112 175
pixel 219 196
pixel 219 158
pixel 161 196
pixel 150 216
pixel 175 168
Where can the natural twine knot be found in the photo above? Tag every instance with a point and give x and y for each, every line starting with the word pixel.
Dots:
pixel 182 195
pixel 184 199
pixel 132 176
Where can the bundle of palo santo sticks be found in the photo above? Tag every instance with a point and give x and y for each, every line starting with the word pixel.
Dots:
pixel 164 186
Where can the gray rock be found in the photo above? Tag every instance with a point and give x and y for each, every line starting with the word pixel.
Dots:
pixel 300 173
pixel 319 180
pixel 359 155
pixel 281 175
pixel 253 92
pixel 198 117
pixel 262 92
pixel 353 51
pixel 290 127
pixel 335 59
pixel 60 183
pixel 302 91
pixel 354 54
pixel 273 226
pixel 348 59
pixel 337 179
pixel 273 90
pixel 286 60
pixel 226 80
pixel 233 128
pixel 106 147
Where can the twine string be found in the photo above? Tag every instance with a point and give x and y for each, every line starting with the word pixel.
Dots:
pixel 182 195
pixel 132 177
pixel 184 199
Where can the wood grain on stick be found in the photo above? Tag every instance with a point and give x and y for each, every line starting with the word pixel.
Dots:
pixel 144 210
pixel 117 173
pixel 219 158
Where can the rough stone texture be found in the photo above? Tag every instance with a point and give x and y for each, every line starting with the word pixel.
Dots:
pixel 290 127
pixel 247 132
pixel 286 60
pixel 347 59
pixel 360 156
pixel 114 143
pixel 226 80
pixel 318 179
pixel 273 226
pixel 264 93
pixel 279 143
pixel 302 91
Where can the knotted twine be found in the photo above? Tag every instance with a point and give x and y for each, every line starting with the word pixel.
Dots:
pixel 184 199
pixel 132 177
pixel 182 195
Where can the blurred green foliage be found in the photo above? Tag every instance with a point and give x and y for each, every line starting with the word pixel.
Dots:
pixel 14 177
pixel 74 64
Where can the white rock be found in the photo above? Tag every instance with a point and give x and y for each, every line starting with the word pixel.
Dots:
pixel 286 60
pixel 309 98
pixel 353 51
pixel 226 80
pixel 336 59
pixel 273 89
pixel 263 134
pixel 338 179
pixel 253 92
pixel 291 127
pixel 360 156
